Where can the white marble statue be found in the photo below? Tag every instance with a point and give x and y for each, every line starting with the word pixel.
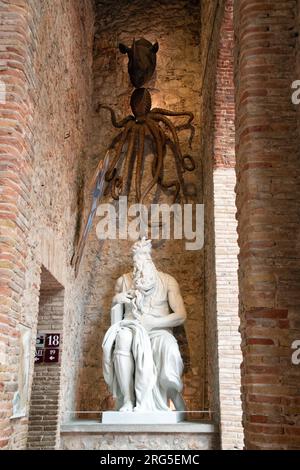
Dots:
pixel 142 364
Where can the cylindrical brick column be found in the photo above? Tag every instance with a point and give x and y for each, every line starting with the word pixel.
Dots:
pixel 16 108
pixel 225 241
pixel 268 172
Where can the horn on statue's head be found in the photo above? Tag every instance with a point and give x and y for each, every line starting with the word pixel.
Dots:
pixel 142 246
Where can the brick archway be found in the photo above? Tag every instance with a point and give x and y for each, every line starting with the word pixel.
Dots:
pixel 224 355
pixel 268 172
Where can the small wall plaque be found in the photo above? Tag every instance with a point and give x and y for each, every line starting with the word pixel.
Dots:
pixel 39 355
pixel 51 355
pixel 47 348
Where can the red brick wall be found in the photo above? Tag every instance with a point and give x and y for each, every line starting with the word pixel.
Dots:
pixel 224 112
pixel 211 19
pixel 268 172
pixel 46 60
pixel 16 48
pixel 225 241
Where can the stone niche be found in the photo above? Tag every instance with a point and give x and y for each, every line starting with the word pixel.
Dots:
pixel 175 86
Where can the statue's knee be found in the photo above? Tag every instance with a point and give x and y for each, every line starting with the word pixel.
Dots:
pixel 124 340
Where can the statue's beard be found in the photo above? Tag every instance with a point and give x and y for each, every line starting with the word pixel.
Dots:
pixel 145 281
pixel 147 289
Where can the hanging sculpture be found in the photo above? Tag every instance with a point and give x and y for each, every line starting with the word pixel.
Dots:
pixel 144 122
pixel 141 60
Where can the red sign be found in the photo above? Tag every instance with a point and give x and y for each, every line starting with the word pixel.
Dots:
pixel 52 340
pixel 51 355
pixel 47 348
pixel 39 355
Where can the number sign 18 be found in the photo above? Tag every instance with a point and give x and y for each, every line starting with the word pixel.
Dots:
pixel 53 340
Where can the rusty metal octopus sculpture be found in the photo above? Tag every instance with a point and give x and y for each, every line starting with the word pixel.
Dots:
pixel 144 122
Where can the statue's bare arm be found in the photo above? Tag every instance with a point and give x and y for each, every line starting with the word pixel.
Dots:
pixel 118 290
pixel 117 309
pixel 176 304
pixel 121 297
pixel 178 315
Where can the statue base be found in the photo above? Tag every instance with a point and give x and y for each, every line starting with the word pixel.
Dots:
pixel 146 417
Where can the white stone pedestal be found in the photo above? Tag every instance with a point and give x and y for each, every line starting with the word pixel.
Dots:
pixel 150 417
pixel 93 435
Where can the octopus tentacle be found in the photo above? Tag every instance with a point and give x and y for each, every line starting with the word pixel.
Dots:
pixel 166 112
pixel 128 156
pixel 189 163
pixel 165 184
pixel 115 123
pixel 178 164
pixel 111 171
pixel 180 127
pixel 111 147
pixel 170 125
pixel 117 187
pixel 164 148
pixel 171 184
pixel 163 138
pixel 187 125
pixel 139 160
pixel 180 183
pixel 153 128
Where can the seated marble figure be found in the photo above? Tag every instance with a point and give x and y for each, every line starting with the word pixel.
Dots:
pixel 142 364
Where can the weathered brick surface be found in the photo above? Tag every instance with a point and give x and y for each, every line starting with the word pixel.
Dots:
pixel 225 238
pixel 268 171
pixel 16 112
pixel 45 64
pixel 228 337
pixel 63 62
pixel 224 111
pixel 211 19
pixel 221 249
